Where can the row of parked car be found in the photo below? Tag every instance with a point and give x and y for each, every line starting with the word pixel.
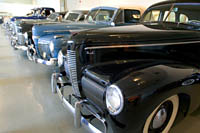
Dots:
pixel 133 69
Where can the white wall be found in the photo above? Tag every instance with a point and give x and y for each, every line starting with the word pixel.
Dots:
pixel 22 7
pixel 16 9
pixel 49 3
pixel 88 4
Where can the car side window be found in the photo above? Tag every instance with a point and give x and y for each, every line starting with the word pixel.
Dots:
pixel 82 18
pixel 171 17
pixel 131 16
pixel 152 16
pixel 183 18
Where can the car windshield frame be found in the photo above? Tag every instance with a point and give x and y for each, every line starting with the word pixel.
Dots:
pixel 172 8
pixel 69 14
pixel 92 18
pixel 55 15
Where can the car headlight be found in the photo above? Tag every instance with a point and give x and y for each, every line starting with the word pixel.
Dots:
pixel 51 46
pixel 60 58
pixel 114 100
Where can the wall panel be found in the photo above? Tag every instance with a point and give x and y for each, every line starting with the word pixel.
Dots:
pixel 17 1
pixel 49 3
pixel 88 4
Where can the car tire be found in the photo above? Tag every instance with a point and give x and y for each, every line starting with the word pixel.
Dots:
pixel 29 55
pixel 163 117
pixel 13 45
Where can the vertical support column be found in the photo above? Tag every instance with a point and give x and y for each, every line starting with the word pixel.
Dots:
pixel 63 5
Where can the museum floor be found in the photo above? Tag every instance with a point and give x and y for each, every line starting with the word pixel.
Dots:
pixel 27 104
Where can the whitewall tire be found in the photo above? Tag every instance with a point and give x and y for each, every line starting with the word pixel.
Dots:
pixel 163 117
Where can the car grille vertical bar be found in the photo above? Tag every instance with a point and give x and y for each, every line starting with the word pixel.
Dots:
pixel 71 59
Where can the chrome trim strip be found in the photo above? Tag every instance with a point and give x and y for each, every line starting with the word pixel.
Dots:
pixel 24 48
pixel 58 36
pixel 139 45
pixel 36 37
pixel 47 31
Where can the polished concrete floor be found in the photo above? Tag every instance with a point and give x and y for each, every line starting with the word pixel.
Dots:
pixel 27 104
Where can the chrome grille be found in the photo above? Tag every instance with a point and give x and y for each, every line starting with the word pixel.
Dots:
pixel 21 39
pixel 71 60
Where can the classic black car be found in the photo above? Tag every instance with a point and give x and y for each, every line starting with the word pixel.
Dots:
pixel 137 78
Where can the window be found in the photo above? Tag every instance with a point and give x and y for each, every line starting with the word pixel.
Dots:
pixel 131 16
pixel 72 16
pixel 102 15
pixel 170 18
pixel 82 18
pixel 152 16
pixel 183 18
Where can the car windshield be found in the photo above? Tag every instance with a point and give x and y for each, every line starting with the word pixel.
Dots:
pixel 53 16
pixel 72 16
pixel 183 15
pixel 100 15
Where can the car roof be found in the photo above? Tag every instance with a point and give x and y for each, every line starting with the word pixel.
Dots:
pixel 105 7
pixel 79 11
pixel 175 1
pixel 140 8
pixel 42 8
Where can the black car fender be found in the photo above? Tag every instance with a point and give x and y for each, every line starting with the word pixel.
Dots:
pixel 146 87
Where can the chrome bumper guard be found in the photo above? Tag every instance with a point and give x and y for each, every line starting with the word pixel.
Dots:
pixel 24 48
pixel 79 120
pixel 20 47
pixel 51 62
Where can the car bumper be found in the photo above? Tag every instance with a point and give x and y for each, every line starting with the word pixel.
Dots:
pixel 51 62
pixel 79 120
pixel 23 47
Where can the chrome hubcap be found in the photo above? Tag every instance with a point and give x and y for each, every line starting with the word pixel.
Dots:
pixel 159 118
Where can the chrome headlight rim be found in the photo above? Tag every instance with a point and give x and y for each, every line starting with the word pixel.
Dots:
pixel 51 47
pixel 60 58
pixel 109 106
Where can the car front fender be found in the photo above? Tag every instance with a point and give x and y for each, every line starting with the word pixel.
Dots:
pixel 145 87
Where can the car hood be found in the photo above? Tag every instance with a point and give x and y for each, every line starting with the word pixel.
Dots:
pixel 27 25
pixel 137 72
pixel 57 28
pixel 139 34
pixel 47 39
pixel 25 17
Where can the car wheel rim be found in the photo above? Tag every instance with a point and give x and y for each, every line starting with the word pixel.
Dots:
pixel 162 118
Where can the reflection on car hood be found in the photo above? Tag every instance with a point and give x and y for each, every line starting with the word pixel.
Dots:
pixel 40 30
pixel 47 39
pixel 136 34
